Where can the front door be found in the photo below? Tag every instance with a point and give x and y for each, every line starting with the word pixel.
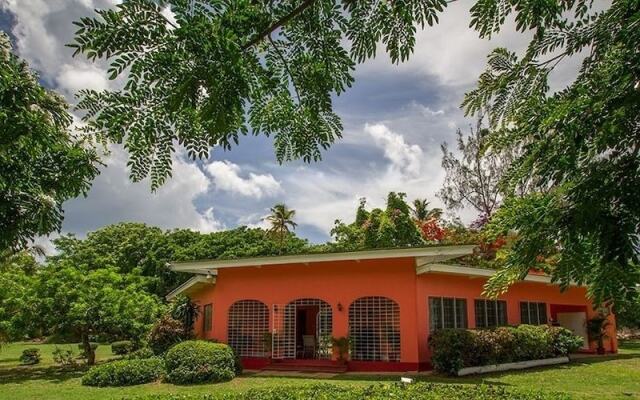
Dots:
pixel 575 322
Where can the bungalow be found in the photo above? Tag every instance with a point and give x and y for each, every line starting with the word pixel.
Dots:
pixel 284 310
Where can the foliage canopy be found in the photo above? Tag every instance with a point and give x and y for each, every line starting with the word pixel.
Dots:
pixel 216 70
pixel 43 164
pixel 579 147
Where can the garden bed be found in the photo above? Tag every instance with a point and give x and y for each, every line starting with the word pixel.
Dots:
pixel 485 369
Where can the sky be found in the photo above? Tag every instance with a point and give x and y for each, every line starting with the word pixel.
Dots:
pixel 395 119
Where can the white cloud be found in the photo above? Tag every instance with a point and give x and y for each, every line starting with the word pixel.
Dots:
pixel 74 77
pixel 450 50
pixel 321 197
pixel 403 156
pixel 427 111
pixel 226 177
pixel 114 198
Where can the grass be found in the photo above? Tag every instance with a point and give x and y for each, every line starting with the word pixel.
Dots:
pixel 612 377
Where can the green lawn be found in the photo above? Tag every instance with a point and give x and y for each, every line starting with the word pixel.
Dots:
pixel 614 377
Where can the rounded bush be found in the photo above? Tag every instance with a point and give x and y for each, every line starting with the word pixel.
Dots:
pixel 122 347
pixel 564 342
pixel 452 349
pixel 125 372
pixel 140 354
pixel 30 356
pixel 197 361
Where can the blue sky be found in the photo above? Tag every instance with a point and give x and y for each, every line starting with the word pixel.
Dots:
pixel 395 118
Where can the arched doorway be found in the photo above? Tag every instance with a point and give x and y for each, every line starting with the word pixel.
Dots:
pixel 248 328
pixel 303 329
pixel 374 329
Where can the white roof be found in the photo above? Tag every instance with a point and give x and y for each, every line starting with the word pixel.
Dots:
pixel 422 254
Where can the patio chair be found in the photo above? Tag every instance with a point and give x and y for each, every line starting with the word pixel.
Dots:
pixel 308 346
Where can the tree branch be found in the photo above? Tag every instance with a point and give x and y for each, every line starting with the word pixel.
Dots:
pixel 286 65
pixel 277 24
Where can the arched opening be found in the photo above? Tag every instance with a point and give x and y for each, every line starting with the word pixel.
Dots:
pixel 374 329
pixel 248 328
pixel 303 329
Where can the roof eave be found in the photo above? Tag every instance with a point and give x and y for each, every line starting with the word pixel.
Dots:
pixel 435 253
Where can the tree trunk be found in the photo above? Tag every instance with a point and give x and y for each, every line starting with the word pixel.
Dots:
pixel 88 351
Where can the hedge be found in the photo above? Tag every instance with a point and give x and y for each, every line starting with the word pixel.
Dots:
pixel 418 391
pixel 122 347
pixel 125 372
pixel 196 361
pixel 454 349
pixel 140 354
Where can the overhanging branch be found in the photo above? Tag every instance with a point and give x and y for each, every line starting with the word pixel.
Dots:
pixel 277 24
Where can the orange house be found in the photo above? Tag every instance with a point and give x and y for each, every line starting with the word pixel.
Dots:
pixel 283 311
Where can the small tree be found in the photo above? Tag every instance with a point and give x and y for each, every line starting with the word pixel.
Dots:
pixel 85 302
pixel 281 220
pixel 473 178
pixel 185 311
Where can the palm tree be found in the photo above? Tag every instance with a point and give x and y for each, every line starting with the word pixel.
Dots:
pixel 281 220
pixel 421 211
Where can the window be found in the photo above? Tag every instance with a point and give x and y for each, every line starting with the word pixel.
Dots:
pixel 207 321
pixel 447 312
pixel 490 313
pixel 374 329
pixel 533 313
pixel 247 327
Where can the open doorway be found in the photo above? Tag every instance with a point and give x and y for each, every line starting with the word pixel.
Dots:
pixel 307 331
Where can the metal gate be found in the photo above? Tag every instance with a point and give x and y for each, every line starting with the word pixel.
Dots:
pixel 284 343
pixel 283 333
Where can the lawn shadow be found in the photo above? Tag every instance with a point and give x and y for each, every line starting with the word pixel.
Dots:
pixel 53 374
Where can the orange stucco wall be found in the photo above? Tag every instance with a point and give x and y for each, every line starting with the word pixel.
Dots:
pixel 340 283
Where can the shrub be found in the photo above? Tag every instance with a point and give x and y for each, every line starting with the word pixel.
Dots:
pixel 196 361
pixel 125 372
pixel 418 391
pixel 453 349
pixel 122 347
pixel 140 354
pixel 64 357
pixel 563 341
pixel 30 356
pixel 165 333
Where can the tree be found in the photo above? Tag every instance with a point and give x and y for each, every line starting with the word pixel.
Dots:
pixel 17 305
pixel 131 247
pixel 473 179
pixel 579 146
pixel 185 311
pixel 43 164
pixel 281 218
pixel 428 220
pixel 217 70
pixel 422 212
pixel 391 227
pixel 87 302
